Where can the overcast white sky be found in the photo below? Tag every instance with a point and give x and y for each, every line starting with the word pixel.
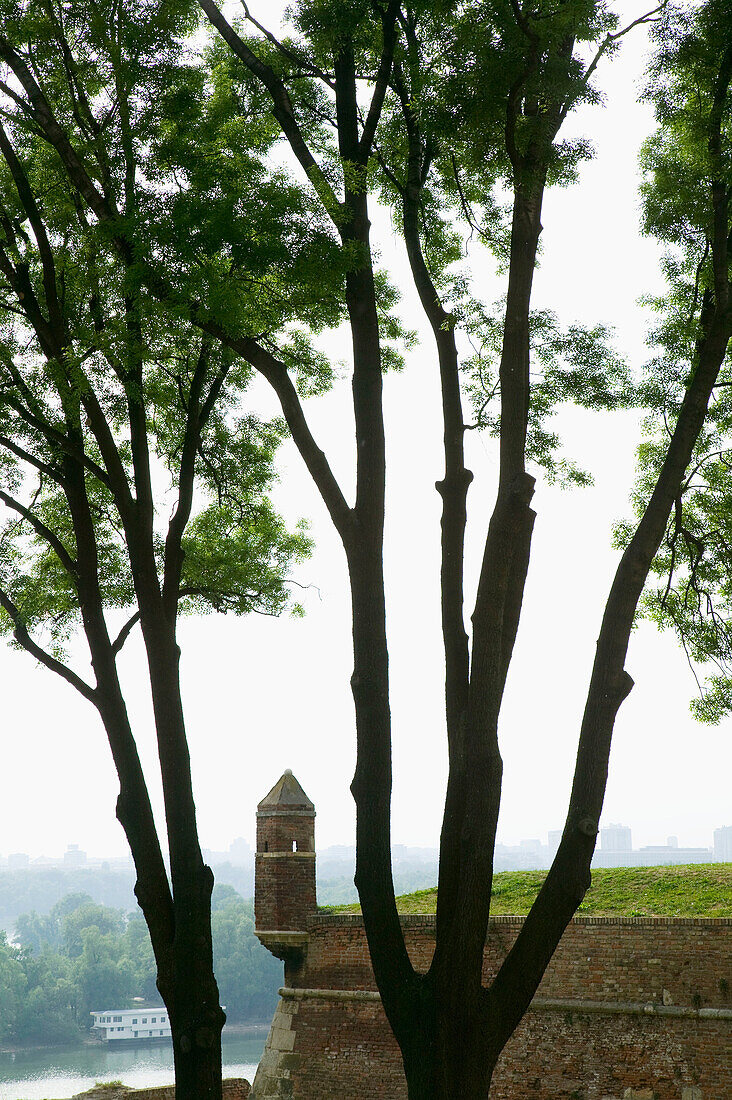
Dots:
pixel 264 695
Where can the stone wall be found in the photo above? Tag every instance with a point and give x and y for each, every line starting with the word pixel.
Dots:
pixel 629 1009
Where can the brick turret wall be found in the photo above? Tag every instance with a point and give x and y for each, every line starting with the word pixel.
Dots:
pixel 284 863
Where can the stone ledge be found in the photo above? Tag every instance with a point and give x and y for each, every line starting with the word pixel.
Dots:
pixel 285 855
pixel 234 1088
pixel 539 1004
pixel 283 937
pixel 629 1008
pixel 330 994
pixel 285 811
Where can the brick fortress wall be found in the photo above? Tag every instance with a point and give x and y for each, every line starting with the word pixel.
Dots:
pixel 629 1009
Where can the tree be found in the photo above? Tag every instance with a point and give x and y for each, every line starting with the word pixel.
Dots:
pixel 450 1029
pixel 12 987
pixel 247 974
pixel 33 931
pixel 83 957
pixel 463 100
pixel 693 566
pixel 104 395
pixel 105 920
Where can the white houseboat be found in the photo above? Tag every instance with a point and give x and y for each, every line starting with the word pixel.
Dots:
pixel 125 1025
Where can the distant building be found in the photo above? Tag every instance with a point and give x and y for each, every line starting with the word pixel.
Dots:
pixel 125 1025
pixel 616 838
pixel 723 844
pixel 652 855
pixel 17 860
pixel 240 852
pixel 74 857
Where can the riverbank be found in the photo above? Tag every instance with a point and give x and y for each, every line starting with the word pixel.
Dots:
pixel 243 1030
pixel 234 1088
pixel 34 1048
pixel 65 1073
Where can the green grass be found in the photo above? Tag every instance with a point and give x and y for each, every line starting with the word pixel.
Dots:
pixel 694 890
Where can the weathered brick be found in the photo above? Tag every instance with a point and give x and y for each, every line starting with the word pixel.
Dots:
pixel 343 1047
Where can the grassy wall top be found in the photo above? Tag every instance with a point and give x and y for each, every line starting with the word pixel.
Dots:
pixel 693 890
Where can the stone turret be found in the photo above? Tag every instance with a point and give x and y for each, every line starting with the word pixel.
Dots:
pixel 284 868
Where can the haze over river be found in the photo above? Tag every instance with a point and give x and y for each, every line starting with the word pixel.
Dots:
pixel 60 1072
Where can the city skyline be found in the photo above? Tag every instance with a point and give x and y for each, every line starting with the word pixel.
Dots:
pixel 241 851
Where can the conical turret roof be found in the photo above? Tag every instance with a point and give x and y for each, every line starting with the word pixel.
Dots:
pixel 287 794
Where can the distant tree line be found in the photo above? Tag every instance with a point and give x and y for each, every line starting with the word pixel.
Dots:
pixel 27 889
pixel 40 889
pixel 83 957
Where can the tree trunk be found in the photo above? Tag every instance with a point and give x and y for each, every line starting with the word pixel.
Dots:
pixel 180 928
pixel 460 1066
pixel 195 1016
pixel 463 1071
pixel 193 997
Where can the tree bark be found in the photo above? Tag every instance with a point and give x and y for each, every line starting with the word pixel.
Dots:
pixel 193 997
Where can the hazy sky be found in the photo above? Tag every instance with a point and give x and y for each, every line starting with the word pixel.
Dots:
pixel 263 695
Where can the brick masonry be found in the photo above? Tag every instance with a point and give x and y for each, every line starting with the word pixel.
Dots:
pixel 629 1008
pixel 284 864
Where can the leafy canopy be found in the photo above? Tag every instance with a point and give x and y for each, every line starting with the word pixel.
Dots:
pixel 87 351
pixel 683 170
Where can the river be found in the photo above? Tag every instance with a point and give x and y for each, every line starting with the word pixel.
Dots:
pixel 61 1072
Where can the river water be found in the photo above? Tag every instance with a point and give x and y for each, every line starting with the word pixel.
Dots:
pixel 61 1072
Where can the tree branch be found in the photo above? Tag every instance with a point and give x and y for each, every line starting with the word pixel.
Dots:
pixel 453 491
pixel 569 875
pixel 194 423
pixel 125 632
pixel 281 106
pixel 20 283
pixel 368 133
pixel 55 437
pixel 45 532
pixel 40 111
pixel 277 375
pixel 301 62
pixel 608 41
pixel 29 204
pixel 23 638
pixel 115 477
pixel 43 467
